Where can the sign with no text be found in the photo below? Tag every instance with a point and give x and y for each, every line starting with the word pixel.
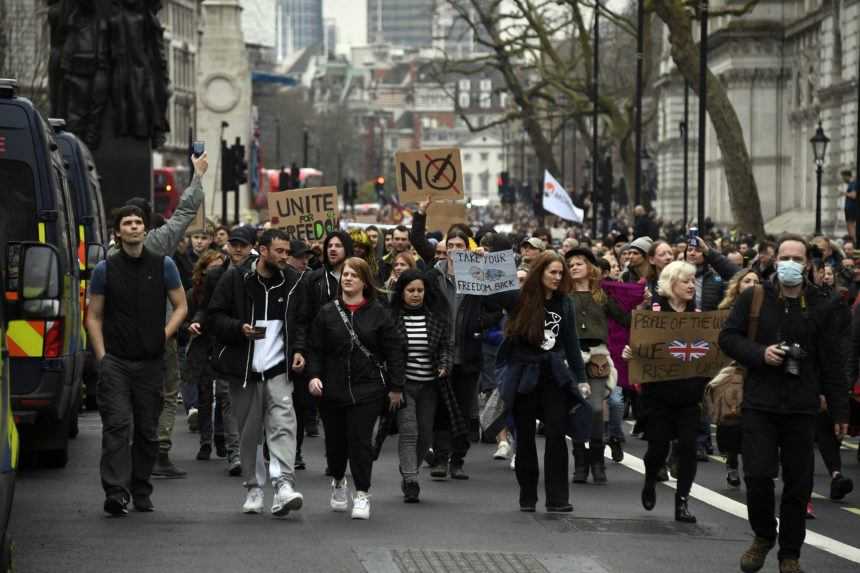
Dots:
pixel 675 346
pixel 434 172
pixel 306 214
pixel 442 214
pixel 484 274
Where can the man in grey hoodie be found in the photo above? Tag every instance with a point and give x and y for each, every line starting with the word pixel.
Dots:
pixel 163 241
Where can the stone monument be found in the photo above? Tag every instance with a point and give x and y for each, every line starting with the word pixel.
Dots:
pixel 108 78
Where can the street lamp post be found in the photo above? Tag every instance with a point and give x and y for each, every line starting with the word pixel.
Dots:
pixel 685 136
pixel 703 112
pixel 819 143
pixel 595 159
pixel 640 57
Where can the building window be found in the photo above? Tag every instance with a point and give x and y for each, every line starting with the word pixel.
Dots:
pixel 467 157
pixel 486 85
pixel 486 100
pixel 485 184
pixel 464 99
pixel 467 179
pixel 485 157
pixel 465 85
pixel 503 99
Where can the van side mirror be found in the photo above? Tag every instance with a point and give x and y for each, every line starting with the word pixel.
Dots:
pixel 34 273
pixel 96 253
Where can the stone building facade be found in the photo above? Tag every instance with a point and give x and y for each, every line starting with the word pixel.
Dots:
pixel 786 66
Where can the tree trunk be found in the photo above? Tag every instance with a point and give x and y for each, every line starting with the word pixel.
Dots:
pixel 743 191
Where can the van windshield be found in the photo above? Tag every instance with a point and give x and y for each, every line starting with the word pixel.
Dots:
pixel 18 197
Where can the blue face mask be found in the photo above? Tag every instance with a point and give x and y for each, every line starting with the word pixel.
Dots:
pixel 790 273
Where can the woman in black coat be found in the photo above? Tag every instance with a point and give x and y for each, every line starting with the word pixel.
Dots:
pixel 544 372
pixel 421 316
pixel 673 407
pixel 356 361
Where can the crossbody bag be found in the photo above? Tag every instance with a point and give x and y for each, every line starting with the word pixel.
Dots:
pixel 383 369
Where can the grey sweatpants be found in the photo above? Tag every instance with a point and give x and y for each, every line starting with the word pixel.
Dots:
pixel 265 409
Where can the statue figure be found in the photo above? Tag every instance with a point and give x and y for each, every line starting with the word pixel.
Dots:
pixel 118 54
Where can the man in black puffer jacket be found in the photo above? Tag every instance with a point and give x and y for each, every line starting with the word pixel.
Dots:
pixel 259 318
pixel 782 398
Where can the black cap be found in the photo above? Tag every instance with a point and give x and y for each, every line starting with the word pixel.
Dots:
pixel 244 234
pixel 581 252
pixel 298 248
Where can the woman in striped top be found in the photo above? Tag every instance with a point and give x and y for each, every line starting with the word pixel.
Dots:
pixel 422 318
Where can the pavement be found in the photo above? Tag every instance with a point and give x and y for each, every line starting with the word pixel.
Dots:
pixel 464 526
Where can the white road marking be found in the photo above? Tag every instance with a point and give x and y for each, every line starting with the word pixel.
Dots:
pixel 739 510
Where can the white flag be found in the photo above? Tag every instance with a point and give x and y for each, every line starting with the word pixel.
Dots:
pixel 557 201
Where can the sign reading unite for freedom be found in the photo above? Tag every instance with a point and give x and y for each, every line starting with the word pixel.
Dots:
pixel 484 274
pixel 306 214
pixel 675 346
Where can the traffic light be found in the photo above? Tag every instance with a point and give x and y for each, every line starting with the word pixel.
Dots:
pixel 228 171
pixel 240 164
pixel 506 191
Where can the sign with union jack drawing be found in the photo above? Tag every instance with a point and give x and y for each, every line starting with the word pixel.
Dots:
pixel 675 345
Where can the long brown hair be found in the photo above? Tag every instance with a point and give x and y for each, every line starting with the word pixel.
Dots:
pixel 595 277
pixel 362 269
pixel 198 276
pixel 528 320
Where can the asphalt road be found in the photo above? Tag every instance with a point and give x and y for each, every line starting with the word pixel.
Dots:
pixel 58 523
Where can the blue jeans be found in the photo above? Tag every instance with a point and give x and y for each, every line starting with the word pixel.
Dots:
pixel 616 414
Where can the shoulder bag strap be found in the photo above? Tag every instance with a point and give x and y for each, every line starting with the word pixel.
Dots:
pixel 755 311
pixel 352 334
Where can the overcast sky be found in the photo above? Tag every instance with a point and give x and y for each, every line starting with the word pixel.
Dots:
pixel 351 18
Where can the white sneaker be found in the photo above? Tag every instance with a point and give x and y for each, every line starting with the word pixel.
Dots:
pixel 513 462
pixel 286 499
pixel 253 501
pixel 503 452
pixel 361 505
pixel 192 419
pixel 339 491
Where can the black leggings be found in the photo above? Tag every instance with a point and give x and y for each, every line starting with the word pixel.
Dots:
pixel 349 437
pixel 828 445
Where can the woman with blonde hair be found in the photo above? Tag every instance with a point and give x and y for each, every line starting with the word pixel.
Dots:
pixel 673 406
pixel 402 262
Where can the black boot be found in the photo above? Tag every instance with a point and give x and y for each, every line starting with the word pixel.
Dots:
pixel 580 463
pixel 598 463
pixel 649 494
pixel 682 513
pixel 165 468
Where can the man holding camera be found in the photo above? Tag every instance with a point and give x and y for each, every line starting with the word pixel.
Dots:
pixel 792 364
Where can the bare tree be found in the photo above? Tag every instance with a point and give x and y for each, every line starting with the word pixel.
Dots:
pixel 24 47
pixel 743 192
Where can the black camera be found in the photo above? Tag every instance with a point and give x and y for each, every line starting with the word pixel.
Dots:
pixel 794 353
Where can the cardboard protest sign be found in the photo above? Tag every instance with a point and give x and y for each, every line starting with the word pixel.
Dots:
pixel 484 274
pixel 199 222
pixel 441 215
pixel 306 214
pixel 674 346
pixel 434 172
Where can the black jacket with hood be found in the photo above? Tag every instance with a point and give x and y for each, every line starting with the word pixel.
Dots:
pixel 322 285
pixel 349 377
pixel 232 305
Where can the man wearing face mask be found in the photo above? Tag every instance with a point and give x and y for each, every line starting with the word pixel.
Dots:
pixel 794 359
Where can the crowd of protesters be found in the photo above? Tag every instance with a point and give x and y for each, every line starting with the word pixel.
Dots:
pixel 365 329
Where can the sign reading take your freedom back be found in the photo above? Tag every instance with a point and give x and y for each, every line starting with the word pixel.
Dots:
pixel 676 345
pixel 484 274
pixel 306 214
